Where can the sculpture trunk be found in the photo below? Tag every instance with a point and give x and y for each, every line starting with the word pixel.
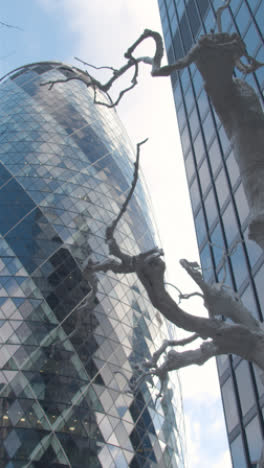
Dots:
pixel 241 114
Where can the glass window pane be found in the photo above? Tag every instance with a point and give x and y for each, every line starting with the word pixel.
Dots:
pixel 234 5
pixel 198 82
pixel 253 4
pixel 167 39
pixel 194 122
pixel 254 439
pixel 200 227
pixel 181 118
pixel 185 79
pixel 259 379
pixel 198 147
pixel 230 405
pixel 232 168
pixel 225 143
pixel 259 281
pixel 217 244
pixel 242 18
pixel 230 224
pixel 215 156
pixel 185 140
pixel 189 99
pixel 203 104
pixel 245 387
pixel 249 301
pixel 222 363
pixel 209 21
pixel 224 276
pixel 195 195
pixel 204 175
pixel 252 40
pixel 239 265
pixel 222 188
pixel 189 165
pixel 177 95
pixel 209 129
pixel 241 203
pixel 193 17
pixel 180 9
pixel 206 263
pixel 237 452
pixel 210 208
pixel 171 9
pixel 253 250
pixel 186 33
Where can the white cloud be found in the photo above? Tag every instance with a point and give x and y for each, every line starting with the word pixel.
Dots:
pixel 200 382
pixel 224 461
pixel 104 28
pixel 102 31
pixel 205 447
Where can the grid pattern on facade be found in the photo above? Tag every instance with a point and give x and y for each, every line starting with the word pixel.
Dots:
pixel 65 393
pixel 218 200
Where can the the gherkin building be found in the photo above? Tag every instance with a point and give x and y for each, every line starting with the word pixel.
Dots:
pixel 67 364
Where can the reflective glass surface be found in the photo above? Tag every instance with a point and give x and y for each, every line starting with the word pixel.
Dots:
pixel 68 357
pixel 219 203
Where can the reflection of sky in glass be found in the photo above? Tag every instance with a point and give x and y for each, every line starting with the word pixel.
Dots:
pixel 230 405
pixel 239 265
pixel 210 207
pixel 229 223
pixel 254 439
pixel 238 455
pixel 225 205
pixel 66 169
pixel 245 387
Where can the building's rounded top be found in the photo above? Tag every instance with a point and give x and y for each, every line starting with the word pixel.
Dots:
pixel 42 67
pixel 69 71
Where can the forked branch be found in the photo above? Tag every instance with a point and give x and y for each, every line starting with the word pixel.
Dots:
pixel 231 45
pixel 10 26
pixel 244 337
pixel 216 56
pixel 168 343
pixel 111 228
pixel 219 13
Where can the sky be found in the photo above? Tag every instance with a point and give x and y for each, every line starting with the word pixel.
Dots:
pixel 99 32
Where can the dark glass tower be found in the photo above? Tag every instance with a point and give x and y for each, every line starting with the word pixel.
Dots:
pixel 67 364
pixel 218 200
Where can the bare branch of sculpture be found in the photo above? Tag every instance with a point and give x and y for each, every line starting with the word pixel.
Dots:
pixel 96 68
pixel 155 62
pixel 184 295
pixel 122 93
pixel 242 338
pixel 174 360
pixel 219 13
pixel 216 56
pixel 177 360
pixel 10 26
pixel 168 343
pixel 111 228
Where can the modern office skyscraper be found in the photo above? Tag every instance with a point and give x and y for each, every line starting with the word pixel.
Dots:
pixel 67 365
pixel 218 200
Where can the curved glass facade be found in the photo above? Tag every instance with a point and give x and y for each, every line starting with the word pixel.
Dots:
pixel 220 208
pixel 66 368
